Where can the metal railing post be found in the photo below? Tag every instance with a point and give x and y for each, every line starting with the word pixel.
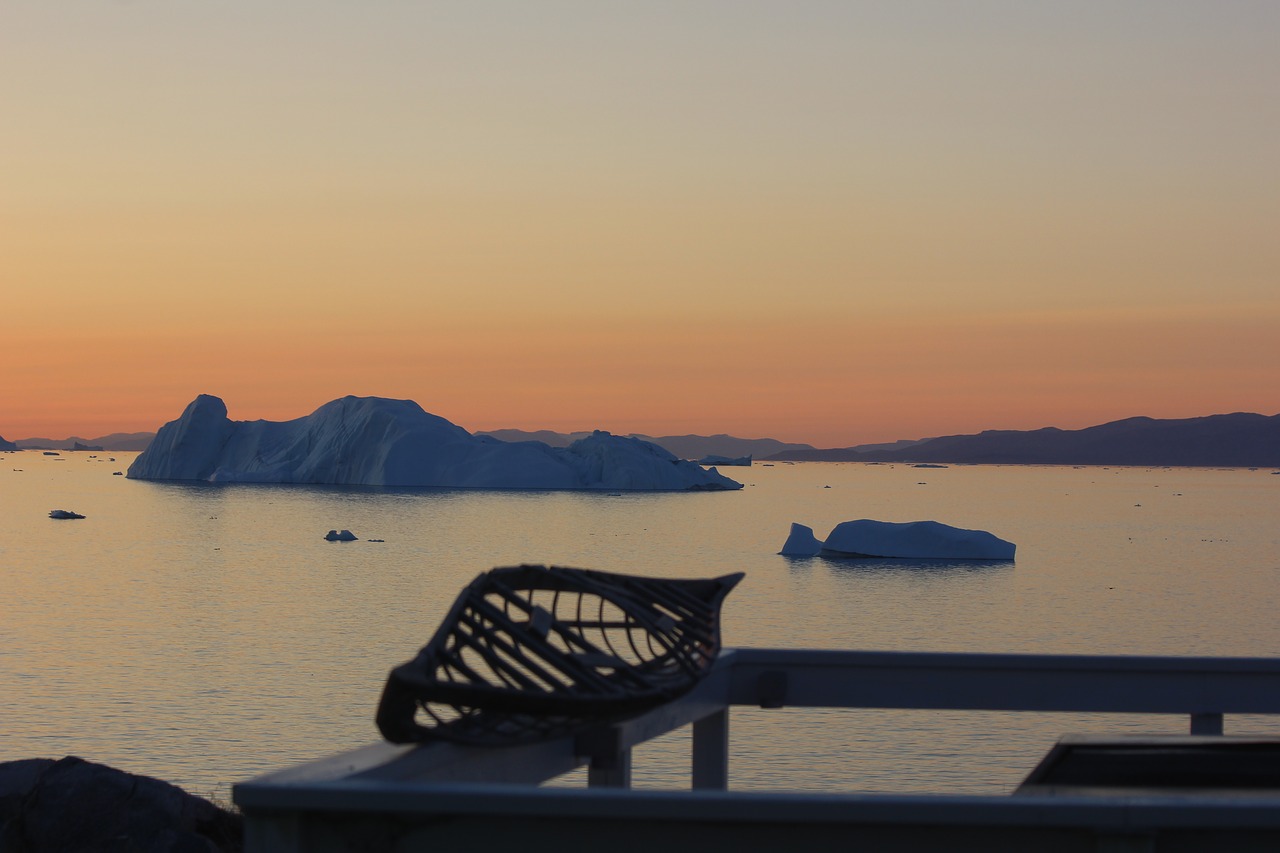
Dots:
pixel 610 771
pixel 1206 724
pixel 711 751
pixel 609 763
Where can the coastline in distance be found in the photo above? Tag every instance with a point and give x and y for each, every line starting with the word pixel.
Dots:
pixel 1231 440
pixel 1240 440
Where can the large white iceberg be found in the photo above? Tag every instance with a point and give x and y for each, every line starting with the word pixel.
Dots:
pixel 912 540
pixel 374 441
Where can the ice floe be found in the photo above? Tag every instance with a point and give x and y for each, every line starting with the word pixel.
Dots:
pixel 912 540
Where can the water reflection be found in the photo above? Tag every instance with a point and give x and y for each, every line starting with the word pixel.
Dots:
pixel 230 593
pixel 929 568
pixel 428 492
pixel 201 488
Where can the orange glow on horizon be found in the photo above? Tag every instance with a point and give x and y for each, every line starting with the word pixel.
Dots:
pixel 829 223
pixel 807 381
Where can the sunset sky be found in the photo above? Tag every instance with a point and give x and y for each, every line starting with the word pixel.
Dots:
pixel 827 222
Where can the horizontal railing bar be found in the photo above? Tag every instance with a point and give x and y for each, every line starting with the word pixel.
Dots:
pixel 1003 682
pixel 440 761
pixel 383 763
pixel 830 679
pixel 997 660
pixel 1240 810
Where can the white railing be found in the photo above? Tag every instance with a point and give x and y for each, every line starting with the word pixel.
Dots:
pixel 414 786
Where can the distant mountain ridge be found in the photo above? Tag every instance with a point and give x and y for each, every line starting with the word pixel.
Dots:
pixel 683 446
pixel 546 436
pixel 1241 439
pixel 115 441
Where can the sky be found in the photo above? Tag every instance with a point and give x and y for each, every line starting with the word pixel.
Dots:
pixel 823 222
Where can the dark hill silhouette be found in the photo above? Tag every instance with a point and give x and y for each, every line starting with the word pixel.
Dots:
pixel 683 446
pixel 1236 440
pixel 115 441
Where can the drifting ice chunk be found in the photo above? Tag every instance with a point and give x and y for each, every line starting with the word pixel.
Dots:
pixel 801 542
pixel 344 536
pixel 920 540
pixel 64 513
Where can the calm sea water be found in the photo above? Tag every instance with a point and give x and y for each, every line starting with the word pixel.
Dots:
pixel 207 634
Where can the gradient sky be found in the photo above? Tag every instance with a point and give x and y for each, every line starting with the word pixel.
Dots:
pixel 828 222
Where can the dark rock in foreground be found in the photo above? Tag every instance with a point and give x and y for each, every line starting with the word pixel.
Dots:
pixel 49 806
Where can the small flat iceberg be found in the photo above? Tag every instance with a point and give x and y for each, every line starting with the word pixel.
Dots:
pixel 912 540
pixel 64 513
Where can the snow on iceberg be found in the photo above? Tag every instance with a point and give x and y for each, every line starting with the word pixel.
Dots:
pixel 374 441
pixel 913 540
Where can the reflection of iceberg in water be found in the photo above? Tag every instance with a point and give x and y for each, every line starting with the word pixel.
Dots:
pixel 863 566
pixel 913 540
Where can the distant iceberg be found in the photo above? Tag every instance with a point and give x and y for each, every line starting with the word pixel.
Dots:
pixel 374 441
pixel 713 459
pixel 913 540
